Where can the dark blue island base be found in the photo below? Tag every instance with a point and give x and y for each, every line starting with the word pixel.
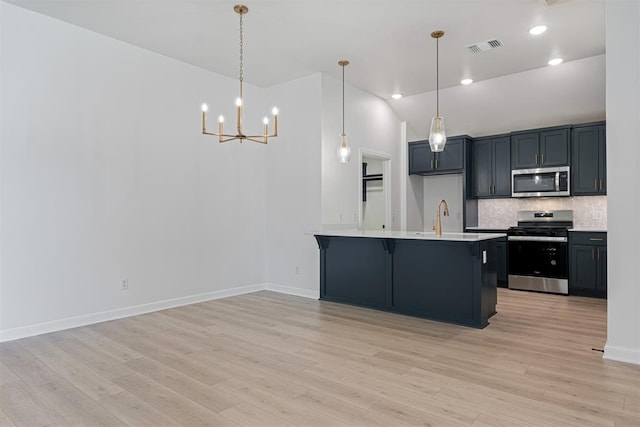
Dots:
pixel 448 281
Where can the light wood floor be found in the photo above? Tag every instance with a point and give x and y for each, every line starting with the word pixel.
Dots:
pixel 270 359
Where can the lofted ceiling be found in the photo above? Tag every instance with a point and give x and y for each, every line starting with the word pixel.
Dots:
pixel 387 41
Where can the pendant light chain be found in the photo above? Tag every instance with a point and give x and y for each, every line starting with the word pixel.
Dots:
pixel 241 47
pixel 438 77
pixel 343 99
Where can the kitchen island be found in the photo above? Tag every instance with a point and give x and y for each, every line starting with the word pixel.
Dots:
pixel 450 278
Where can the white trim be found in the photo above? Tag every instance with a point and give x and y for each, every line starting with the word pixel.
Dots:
pixel 88 319
pixel 404 174
pixel 104 316
pixel 289 290
pixel 622 354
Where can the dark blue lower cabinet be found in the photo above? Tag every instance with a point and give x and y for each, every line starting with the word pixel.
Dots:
pixel 357 272
pixel 435 279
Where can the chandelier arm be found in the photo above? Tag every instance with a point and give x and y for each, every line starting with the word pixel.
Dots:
pixel 254 138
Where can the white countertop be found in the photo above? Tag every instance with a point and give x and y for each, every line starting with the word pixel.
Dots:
pixel 416 235
pixel 589 230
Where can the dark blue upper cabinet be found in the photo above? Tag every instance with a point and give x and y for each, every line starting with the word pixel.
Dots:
pixel 492 167
pixel 525 150
pixel 540 148
pixel 422 161
pixel 420 158
pixel 588 160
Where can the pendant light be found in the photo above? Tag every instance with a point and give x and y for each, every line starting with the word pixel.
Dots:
pixel 223 137
pixel 344 151
pixel 437 135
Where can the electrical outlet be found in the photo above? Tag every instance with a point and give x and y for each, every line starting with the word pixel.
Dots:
pixel 124 285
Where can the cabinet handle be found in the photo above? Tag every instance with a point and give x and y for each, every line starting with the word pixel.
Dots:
pixel 595 184
pixel 536 162
pixel 542 159
pixel 595 239
pixel 431 163
pixel 493 189
pixel 598 252
pixel 593 254
pixel 600 185
pixel 436 163
pixel 490 189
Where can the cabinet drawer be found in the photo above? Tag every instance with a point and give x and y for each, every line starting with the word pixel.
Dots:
pixel 588 238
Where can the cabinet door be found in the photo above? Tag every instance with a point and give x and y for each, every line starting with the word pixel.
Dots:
pixel 502 167
pixel 420 158
pixel 554 148
pixel 602 268
pixel 452 157
pixel 585 160
pixel 482 168
pixel 602 160
pixel 525 150
pixel 583 274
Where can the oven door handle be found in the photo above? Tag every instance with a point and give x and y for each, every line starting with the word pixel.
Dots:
pixel 536 239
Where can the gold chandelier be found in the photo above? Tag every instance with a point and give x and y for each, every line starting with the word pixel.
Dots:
pixel 224 137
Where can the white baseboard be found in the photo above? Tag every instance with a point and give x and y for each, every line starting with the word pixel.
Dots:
pixel 622 354
pixel 289 290
pixel 88 319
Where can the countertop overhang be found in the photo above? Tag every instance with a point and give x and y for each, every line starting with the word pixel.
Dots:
pixel 415 235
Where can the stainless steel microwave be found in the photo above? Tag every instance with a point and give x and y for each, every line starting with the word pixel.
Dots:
pixel 541 182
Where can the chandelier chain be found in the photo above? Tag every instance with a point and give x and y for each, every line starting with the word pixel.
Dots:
pixel 241 46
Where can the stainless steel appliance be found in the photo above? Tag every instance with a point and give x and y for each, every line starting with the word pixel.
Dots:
pixel 541 182
pixel 538 251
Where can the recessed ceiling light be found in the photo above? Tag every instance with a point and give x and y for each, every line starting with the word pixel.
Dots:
pixel 555 61
pixel 466 81
pixel 538 29
pixel 396 96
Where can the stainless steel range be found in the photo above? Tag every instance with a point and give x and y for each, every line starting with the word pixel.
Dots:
pixel 538 251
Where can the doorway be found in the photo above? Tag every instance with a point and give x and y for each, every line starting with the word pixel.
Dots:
pixel 374 203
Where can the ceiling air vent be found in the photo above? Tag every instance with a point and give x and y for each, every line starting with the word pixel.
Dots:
pixel 484 46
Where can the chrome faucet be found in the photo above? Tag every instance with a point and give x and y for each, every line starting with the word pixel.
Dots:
pixel 438 226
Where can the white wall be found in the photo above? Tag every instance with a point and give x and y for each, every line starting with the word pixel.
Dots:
pixel 370 125
pixel 293 189
pixel 105 176
pixel 623 180
pixel 449 188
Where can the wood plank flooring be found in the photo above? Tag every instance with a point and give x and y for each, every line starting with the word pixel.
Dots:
pixel 267 359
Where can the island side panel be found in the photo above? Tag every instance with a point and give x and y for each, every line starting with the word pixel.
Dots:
pixel 357 271
pixel 438 280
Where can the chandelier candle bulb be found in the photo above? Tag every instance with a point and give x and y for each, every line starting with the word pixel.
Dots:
pixel 274 111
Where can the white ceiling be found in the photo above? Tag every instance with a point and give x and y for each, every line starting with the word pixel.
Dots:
pixel 387 41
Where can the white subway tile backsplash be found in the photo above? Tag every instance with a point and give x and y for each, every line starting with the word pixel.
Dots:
pixel 589 212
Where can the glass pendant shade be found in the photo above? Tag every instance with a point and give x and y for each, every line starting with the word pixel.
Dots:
pixel 344 151
pixel 437 135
